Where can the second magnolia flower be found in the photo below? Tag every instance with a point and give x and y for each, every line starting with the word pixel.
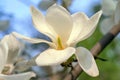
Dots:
pixel 65 31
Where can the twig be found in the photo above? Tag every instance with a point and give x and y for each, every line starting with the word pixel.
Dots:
pixel 97 48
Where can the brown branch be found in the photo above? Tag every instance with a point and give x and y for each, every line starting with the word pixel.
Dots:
pixel 97 48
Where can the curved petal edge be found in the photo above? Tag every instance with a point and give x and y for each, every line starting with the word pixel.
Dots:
pixel 86 61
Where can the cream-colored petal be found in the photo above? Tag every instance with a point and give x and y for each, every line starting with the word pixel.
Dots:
pixel 106 24
pixel 60 20
pixel 108 7
pixel 41 25
pixel 32 40
pixel 3 55
pixel 117 13
pixel 54 57
pixel 77 26
pixel 13 47
pixel 84 27
pixel 89 26
pixel 86 61
pixel 20 76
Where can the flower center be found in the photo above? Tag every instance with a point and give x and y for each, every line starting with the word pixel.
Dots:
pixel 59 44
pixel 7 69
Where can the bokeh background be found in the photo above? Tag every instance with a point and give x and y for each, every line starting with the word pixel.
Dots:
pixel 15 16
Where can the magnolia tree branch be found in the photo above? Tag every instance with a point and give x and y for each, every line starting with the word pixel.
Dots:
pixel 97 48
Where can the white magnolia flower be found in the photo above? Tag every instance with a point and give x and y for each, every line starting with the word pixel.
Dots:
pixel 65 31
pixel 111 9
pixel 9 48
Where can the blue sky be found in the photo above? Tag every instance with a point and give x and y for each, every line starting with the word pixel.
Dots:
pixel 21 7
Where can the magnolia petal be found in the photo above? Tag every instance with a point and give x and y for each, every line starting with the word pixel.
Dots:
pixel 13 48
pixel 117 13
pixel 60 20
pixel 41 25
pixel 54 57
pixel 86 61
pixel 3 55
pixel 108 7
pixel 106 24
pixel 77 27
pixel 87 25
pixel 32 40
pixel 21 76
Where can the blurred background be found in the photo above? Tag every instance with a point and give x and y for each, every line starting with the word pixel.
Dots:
pixel 15 16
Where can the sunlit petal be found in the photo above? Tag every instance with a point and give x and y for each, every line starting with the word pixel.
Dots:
pixel 117 13
pixel 86 61
pixel 77 27
pixel 87 25
pixel 41 24
pixel 32 40
pixel 53 57
pixel 108 7
pixel 21 76
pixel 60 20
